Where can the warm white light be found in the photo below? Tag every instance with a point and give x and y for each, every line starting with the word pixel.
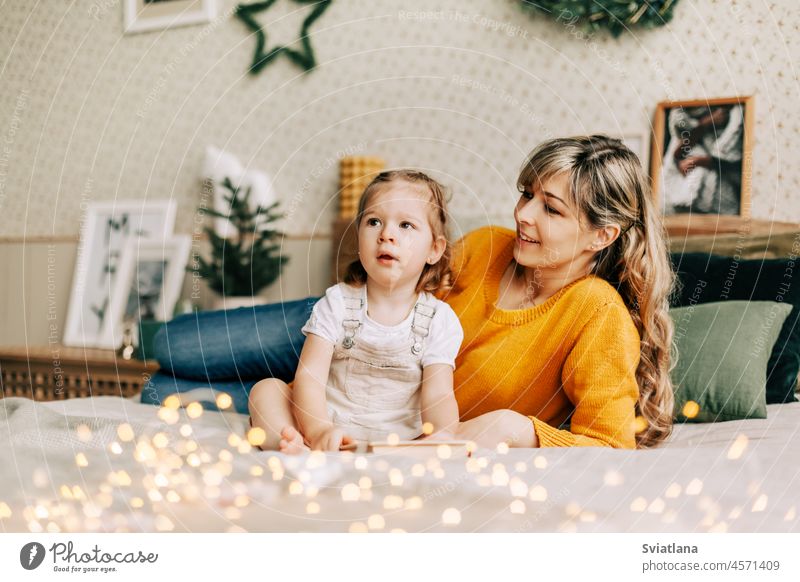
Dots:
pixel 613 478
pixel 376 521
pixel 451 516
pixel 760 504
pixel 738 447
pixel 351 492
pixel 694 487
pixel 224 401
pixel 125 433
pixel 392 502
pixel 537 493
pixel 194 410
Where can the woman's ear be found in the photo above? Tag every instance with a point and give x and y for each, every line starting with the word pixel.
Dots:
pixel 605 237
pixel 437 250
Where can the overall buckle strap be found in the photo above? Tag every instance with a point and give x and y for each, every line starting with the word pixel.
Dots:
pixel 421 326
pixel 353 306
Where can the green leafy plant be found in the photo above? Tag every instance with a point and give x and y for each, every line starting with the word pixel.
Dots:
pixel 250 260
pixel 617 16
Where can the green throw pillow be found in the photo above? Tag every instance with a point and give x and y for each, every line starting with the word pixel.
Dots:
pixel 723 350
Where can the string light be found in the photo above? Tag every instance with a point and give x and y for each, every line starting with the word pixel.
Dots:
pixel 351 492
pixel 125 433
pixel 694 487
pixel 517 507
pixel 537 493
pixel 451 516
pixel 760 504
pixel 738 447
pixel 392 502
pixel 224 401
pixel 376 521
pixel 178 470
pixel 691 409
pixel 613 478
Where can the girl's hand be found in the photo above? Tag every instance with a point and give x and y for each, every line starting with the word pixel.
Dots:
pixel 330 439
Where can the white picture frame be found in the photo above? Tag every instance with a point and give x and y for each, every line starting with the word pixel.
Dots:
pixel 148 285
pixel 638 143
pixel 105 231
pixel 148 15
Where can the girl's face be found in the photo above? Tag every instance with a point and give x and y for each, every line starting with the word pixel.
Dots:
pixel 395 239
pixel 550 236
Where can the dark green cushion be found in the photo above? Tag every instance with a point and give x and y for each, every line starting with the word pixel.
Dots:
pixel 707 278
pixel 723 350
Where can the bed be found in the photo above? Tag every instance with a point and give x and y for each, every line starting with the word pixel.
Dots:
pixel 115 465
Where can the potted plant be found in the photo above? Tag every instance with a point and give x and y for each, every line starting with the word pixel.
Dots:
pixel 243 264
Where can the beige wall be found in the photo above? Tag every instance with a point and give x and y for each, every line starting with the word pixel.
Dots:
pixel 87 113
pixel 38 279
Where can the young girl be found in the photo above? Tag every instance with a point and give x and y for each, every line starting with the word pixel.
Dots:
pixel 380 349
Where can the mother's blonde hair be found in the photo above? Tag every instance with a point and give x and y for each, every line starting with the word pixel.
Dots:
pixel 608 186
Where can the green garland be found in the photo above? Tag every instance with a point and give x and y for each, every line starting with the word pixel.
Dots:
pixel 617 16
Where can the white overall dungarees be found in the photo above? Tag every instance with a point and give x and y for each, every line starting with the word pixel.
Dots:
pixel 374 390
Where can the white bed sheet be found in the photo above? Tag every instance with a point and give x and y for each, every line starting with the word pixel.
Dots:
pixel 741 476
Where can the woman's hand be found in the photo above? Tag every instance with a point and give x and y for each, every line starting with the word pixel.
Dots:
pixel 331 438
pixel 499 426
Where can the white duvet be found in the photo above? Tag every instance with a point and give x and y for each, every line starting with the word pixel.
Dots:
pixel 67 466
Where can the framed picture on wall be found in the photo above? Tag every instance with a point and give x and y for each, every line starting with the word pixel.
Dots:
pixel 701 156
pixel 146 15
pixel 106 230
pixel 148 285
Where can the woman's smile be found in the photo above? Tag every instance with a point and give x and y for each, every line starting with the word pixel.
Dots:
pixel 526 241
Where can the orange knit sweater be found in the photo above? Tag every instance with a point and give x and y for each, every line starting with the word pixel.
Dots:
pixel 576 354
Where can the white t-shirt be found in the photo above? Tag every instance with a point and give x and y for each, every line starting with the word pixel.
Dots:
pixel 441 345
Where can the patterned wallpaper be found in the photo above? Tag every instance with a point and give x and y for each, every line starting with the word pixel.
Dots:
pixel 462 88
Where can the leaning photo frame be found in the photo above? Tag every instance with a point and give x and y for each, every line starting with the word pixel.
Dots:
pixel 151 274
pixel 638 143
pixel 701 158
pixel 106 229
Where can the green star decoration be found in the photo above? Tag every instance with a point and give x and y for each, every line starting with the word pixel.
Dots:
pixel 303 58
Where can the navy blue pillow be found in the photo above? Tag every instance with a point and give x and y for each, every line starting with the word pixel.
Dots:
pixel 706 278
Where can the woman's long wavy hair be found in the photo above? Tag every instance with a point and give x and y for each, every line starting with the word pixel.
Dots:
pixel 433 277
pixel 608 186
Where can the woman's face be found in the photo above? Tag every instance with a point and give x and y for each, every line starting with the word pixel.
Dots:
pixel 550 236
